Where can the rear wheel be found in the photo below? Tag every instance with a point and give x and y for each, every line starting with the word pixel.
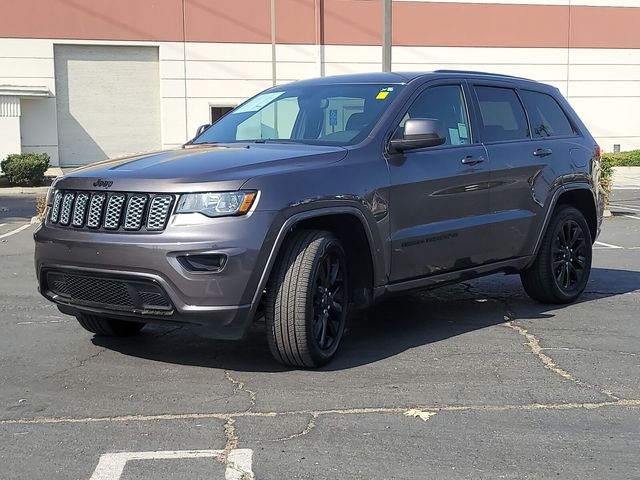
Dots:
pixel 561 270
pixel 109 327
pixel 307 300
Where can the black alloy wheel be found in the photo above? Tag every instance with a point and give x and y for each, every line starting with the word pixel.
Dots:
pixel 328 299
pixel 569 255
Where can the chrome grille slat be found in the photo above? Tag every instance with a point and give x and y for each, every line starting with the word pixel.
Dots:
pixel 65 210
pixel 134 212
pixel 95 210
pixel 159 212
pixel 114 211
pixel 111 211
pixel 55 208
pixel 79 209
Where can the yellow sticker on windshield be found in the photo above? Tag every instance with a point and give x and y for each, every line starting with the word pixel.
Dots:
pixel 382 95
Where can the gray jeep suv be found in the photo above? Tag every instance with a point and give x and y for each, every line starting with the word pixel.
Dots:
pixel 314 199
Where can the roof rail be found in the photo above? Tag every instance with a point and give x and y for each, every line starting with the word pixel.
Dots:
pixel 473 72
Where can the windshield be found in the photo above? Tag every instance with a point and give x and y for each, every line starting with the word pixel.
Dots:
pixel 341 114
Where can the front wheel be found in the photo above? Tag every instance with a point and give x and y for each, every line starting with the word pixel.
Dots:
pixel 108 327
pixel 561 269
pixel 307 300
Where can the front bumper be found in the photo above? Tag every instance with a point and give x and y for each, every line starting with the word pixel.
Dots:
pixel 218 305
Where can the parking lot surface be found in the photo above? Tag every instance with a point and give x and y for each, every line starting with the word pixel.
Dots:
pixel 469 381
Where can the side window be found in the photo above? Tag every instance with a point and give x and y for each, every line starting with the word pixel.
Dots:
pixel 445 103
pixel 546 117
pixel 502 114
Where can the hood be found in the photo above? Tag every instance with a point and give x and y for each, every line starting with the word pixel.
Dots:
pixel 197 168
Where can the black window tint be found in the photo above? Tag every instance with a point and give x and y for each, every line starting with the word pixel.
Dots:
pixel 546 117
pixel 445 103
pixel 502 114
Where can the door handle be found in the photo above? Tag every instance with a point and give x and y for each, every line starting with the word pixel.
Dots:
pixel 469 160
pixel 542 152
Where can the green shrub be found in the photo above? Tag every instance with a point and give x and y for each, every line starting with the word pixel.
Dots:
pixel 620 159
pixel 25 169
pixel 623 159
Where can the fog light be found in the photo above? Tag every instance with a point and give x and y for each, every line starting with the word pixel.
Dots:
pixel 203 263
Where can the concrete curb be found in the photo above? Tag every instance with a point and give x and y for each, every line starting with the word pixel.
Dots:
pixel 15 191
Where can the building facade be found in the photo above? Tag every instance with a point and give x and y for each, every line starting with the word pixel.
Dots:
pixel 84 81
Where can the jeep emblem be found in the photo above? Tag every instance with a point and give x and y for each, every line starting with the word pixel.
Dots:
pixel 103 183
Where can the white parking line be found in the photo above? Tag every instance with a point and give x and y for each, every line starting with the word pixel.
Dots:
pixel 624 207
pixel 631 216
pixel 239 462
pixel 608 245
pixel 17 230
pixel 2 224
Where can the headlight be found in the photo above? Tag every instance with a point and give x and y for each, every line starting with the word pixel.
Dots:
pixel 216 204
pixel 50 194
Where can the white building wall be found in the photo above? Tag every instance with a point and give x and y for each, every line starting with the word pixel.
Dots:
pixel 603 85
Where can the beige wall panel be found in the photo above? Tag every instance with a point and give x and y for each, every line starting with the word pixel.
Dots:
pixel 26 47
pixel 233 88
pixel 609 117
pixel 604 56
pixel 26 67
pixel 228 51
pixel 172 69
pixel 173 121
pixel 297 70
pixel 605 89
pixel 604 72
pixel 172 88
pixel 226 70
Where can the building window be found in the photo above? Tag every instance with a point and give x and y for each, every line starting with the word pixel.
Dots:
pixel 218 112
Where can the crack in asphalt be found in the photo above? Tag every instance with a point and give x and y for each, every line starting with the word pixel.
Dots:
pixel 534 345
pixel 623 403
pixel 239 386
pixel 232 444
pixel 79 364
pixel 310 426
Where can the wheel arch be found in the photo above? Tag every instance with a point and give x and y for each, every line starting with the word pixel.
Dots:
pixel 577 196
pixel 351 227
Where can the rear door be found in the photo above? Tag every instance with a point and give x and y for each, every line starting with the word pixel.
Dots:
pixel 527 137
pixel 506 135
pixel 439 197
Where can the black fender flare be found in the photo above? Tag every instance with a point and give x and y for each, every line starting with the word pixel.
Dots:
pixel 552 206
pixel 377 260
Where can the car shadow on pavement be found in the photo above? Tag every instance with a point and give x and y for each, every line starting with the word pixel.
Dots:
pixel 391 327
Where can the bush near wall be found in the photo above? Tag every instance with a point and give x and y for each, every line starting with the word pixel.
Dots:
pixel 25 169
pixel 620 159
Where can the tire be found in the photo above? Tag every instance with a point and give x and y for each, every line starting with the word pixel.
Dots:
pixel 109 327
pixel 561 269
pixel 306 303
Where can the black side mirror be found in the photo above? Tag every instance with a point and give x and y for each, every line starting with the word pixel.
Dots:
pixel 201 129
pixel 419 133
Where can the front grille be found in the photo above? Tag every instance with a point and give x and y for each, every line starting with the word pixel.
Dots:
pixel 105 292
pixel 114 211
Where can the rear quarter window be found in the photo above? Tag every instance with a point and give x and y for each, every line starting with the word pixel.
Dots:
pixel 502 114
pixel 546 117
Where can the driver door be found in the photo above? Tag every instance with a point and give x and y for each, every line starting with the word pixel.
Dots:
pixel 439 200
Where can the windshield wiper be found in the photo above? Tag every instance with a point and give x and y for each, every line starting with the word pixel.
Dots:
pixel 275 140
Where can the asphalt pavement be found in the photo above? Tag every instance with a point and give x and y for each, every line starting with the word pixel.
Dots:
pixel 473 381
